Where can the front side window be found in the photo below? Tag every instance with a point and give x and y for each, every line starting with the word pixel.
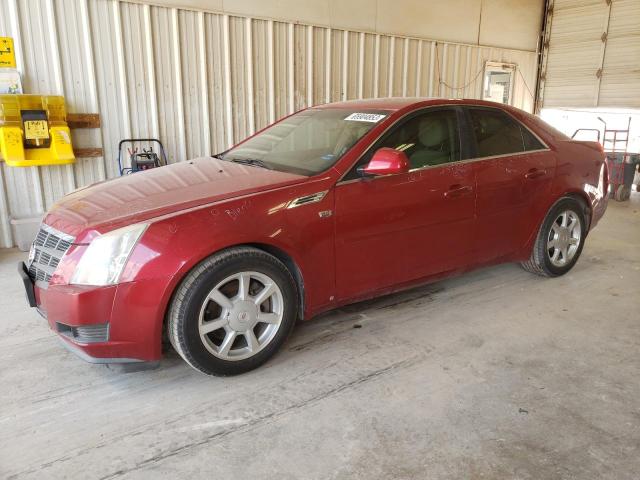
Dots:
pixel 308 142
pixel 427 139
pixel 497 133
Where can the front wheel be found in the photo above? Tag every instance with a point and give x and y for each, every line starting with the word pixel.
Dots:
pixel 233 311
pixel 560 240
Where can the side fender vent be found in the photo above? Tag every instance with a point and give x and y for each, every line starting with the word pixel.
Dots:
pixel 307 199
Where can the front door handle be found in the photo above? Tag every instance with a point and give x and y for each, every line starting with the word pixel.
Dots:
pixel 534 173
pixel 458 191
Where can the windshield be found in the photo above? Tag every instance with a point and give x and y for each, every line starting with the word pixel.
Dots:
pixel 308 142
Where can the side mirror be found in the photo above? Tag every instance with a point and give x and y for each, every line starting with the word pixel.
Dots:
pixel 387 161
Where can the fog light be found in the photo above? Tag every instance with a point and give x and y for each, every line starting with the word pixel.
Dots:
pixel 85 333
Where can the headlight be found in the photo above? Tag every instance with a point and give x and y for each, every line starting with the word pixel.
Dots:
pixel 106 256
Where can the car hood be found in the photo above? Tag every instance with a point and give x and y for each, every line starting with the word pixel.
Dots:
pixel 160 191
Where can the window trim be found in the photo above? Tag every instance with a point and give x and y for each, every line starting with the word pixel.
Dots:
pixel 465 128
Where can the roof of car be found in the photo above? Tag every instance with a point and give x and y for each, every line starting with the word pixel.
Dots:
pixel 398 103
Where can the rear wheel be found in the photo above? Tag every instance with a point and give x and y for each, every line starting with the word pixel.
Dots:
pixel 560 240
pixel 233 311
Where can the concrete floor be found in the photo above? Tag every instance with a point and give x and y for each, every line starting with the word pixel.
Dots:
pixel 496 374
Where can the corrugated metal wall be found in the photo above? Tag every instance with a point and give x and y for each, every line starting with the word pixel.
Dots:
pixel 593 58
pixel 202 81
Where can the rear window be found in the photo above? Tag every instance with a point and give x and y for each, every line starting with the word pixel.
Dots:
pixel 496 133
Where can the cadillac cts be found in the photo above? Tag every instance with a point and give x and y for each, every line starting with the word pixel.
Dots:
pixel 331 205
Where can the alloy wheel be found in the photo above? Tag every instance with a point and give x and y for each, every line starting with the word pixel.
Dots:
pixel 241 315
pixel 564 238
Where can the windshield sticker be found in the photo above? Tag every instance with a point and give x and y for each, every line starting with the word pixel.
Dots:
pixel 365 117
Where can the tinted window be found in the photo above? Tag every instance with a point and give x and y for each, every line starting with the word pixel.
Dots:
pixel 530 142
pixel 498 134
pixel 427 139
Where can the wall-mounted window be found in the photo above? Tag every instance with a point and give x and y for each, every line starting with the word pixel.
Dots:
pixel 498 82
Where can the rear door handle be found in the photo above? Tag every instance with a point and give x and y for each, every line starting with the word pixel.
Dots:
pixel 458 191
pixel 534 173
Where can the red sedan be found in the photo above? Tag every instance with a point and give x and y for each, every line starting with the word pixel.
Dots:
pixel 331 205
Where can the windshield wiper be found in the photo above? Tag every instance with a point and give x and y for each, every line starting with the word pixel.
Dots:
pixel 252 161
pixel 219 156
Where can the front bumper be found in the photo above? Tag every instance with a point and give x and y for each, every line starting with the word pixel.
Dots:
pixel 80 351
pixel 111 324
pixel 28 284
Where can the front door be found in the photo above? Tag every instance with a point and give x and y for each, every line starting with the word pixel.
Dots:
pixel 400 228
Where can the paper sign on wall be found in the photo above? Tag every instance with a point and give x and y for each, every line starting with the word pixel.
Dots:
pixel 7 53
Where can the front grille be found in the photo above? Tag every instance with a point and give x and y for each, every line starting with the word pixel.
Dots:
pixel 48 248
pixel 86 333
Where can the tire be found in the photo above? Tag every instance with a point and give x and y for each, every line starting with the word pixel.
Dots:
pixel 220 328
pixel 554 236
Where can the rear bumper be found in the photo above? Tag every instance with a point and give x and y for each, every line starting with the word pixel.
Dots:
pixel 599 207
pixel 112 324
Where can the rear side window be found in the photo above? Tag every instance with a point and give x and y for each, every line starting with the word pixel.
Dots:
pixel 497 133
pixel 530 142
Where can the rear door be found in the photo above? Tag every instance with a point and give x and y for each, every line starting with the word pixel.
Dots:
pixel 514 170
pixel 398 228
